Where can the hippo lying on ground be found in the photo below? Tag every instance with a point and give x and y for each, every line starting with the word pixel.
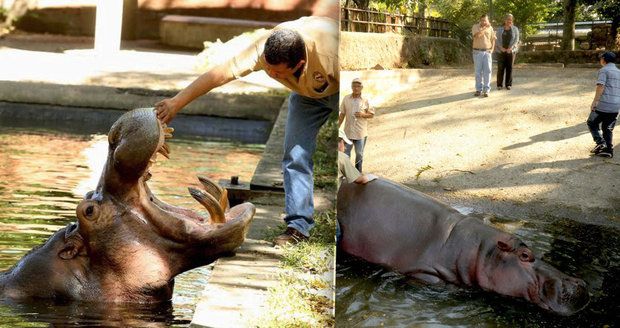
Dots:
pixel 127 245
pixel 389 224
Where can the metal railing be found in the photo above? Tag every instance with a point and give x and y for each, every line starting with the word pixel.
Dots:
pixel 372 21
pixel 588 35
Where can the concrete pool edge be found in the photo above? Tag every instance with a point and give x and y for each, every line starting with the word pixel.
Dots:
pixel 257 106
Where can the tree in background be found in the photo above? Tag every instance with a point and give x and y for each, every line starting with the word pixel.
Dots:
pixel 608 9
pixel 465 13
pixel 568 33
pixel 525 12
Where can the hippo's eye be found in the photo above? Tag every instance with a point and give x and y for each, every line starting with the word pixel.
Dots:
pixel 526 256
pixel 88 210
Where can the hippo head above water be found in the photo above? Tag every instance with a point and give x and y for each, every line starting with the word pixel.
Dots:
pixel 127 245
pixel 511 268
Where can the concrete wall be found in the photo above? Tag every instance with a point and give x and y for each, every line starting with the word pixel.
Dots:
pixel 565 57
pixel 388 50
pixel 77 17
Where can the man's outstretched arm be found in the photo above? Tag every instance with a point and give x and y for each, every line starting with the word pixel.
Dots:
pixel 217 76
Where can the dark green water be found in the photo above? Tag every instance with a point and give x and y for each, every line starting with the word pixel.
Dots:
pixel 371 296
pixel 43 176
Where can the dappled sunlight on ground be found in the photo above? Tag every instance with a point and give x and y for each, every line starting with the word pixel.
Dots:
pixel 529 143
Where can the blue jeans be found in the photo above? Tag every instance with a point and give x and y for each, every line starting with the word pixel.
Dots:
pixel 359 145
pixel 602 121
pixel 482 67
pixel 305 118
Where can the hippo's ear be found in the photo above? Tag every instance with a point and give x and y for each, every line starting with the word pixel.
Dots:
pixel 504 246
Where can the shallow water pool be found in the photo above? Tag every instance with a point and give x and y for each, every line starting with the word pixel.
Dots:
pixel 370 296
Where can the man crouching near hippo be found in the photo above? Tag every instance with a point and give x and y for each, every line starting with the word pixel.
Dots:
pixel 389 224
pixel 303 56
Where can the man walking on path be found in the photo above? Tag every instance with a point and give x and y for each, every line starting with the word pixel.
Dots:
pixel 303 56
pixel 605 106
pixel 483 45
pixel 355 111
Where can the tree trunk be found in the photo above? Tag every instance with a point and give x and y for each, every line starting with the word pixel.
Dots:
pixel 615 36
pixel 568 35
pixel 422 8
pixel 362 4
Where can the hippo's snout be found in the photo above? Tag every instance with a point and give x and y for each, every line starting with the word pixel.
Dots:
pixel 565 296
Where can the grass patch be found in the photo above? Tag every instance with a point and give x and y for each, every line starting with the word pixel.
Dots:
pixel 325 156
pixel 305 295
pixel 421 170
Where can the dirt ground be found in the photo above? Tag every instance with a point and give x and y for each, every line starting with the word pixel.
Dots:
pixel 526 149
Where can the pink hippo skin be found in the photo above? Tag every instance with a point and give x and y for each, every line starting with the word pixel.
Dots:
pixel 407 231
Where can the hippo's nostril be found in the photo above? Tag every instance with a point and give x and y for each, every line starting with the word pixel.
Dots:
pixel 89 210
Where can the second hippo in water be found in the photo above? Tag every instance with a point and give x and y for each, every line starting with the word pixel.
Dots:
pixel 389 224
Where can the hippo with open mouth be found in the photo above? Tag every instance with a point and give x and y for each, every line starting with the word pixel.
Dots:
pixel 127 245
pixel 389 224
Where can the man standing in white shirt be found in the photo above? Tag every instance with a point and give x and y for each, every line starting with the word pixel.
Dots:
pixel 355 111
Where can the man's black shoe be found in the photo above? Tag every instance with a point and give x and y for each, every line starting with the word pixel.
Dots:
pixel 289 237
pixel 608 153
pixel 477 94
pixel 598 148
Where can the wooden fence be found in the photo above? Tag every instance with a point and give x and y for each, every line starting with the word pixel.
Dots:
pixel 371 21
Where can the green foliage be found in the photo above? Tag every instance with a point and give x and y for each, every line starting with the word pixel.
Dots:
pixel 325 156
pixel 525 12
pixel 301 299
pixel 465 13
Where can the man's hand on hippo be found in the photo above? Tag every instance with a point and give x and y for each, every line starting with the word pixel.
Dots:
pixel 167 109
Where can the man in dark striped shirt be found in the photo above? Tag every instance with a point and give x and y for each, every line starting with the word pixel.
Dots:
pixel 605 106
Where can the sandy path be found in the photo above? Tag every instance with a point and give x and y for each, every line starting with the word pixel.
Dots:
pixel 527 145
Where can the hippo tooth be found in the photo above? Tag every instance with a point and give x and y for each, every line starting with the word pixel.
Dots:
pixel 216 213
pixel 164 152
pixel 168 129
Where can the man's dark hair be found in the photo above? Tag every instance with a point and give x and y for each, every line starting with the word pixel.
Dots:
pixel 608 57
pixel 285 46
pixel 484 15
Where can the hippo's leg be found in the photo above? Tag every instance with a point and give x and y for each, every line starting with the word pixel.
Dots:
pixel 427 278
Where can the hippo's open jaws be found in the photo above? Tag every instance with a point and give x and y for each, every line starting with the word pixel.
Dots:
pixel 127 245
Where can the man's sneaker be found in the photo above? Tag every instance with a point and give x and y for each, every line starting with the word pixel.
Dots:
pixel 478 93
pixel 486 94
pixel 499 87
pixel 290 236
pixel 598 148
pixel 608 153
pixel 508 87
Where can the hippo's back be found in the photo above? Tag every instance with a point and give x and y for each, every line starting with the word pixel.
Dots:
pixel 383 222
